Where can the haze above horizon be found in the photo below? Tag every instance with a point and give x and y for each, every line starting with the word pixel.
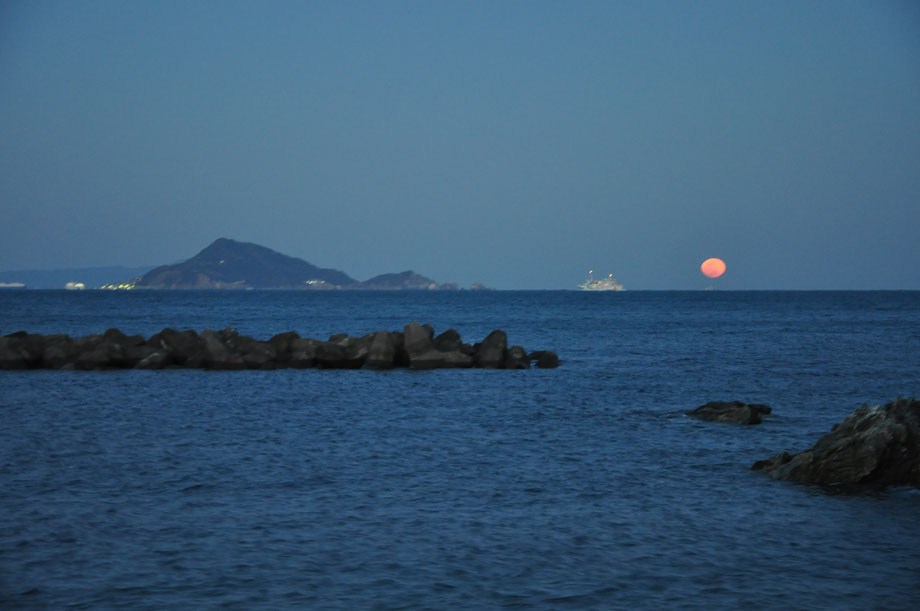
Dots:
pixel 517 144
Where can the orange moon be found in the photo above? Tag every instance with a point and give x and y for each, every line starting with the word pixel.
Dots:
pixel 713 268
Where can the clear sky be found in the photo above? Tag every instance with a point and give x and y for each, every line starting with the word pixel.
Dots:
pixel 517 144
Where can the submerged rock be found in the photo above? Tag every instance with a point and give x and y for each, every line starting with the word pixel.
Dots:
pixel 544 359
pixel 875 445
pixel 735 412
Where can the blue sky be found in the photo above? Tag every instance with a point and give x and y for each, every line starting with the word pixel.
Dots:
pixel 517 144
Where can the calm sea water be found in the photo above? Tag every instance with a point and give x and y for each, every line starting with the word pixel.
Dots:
pixel 579 487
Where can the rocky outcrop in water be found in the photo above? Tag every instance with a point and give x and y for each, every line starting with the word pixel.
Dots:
pixel 735 412
pixel 878 446
pixel 404 281
pixel 415 347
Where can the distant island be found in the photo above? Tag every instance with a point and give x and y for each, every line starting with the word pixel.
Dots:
pixel 229 264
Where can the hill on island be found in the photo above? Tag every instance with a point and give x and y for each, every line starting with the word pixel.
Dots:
pixel 401 281
pixel 228 264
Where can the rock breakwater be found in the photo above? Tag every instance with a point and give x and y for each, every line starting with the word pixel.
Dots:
pixel 415 347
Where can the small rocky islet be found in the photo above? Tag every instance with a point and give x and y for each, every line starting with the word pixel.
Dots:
pixel 873 447
pixel 415 347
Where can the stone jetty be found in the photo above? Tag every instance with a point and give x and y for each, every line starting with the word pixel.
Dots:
pixel 415 347
pixel 873 446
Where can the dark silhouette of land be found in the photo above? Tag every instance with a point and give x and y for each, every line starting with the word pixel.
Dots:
pixel 228 264
pixel 224 264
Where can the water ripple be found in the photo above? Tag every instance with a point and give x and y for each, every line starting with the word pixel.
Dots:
pixel 582 487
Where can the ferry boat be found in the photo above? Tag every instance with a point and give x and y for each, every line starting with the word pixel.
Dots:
pixel 604 284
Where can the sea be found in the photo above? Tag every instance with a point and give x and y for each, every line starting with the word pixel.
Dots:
pixel 581 487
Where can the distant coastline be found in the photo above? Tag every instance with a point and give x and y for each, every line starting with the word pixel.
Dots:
pixel 91 277
pixel 225 264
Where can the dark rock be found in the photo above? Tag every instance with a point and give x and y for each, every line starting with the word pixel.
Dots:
pixel 260 355
pixel 448 341
pixel 156 360
pixel 417 339
pixel 381 354
pixel 10 356
pixel 59 351
pixel 88 342
pixel 416 346
pixel 115 336
pixel 772 463
pixel 228 335
pixel 735 412
pixel 59 356
pixel 118 355
pixel 877 446
pixel 545 359
pixel 22 350
pixel 181 345
pixel 113 349
pixel 282 344
pixel 100 357
pixel 516 358
pixel 399 344
pixel 330 355
pixel 217 355
pixel 133 355
pixel 32 347
pixel 436 359
pixel 356 349
pixel 235 342
pixel 491 351
pixel 303 353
